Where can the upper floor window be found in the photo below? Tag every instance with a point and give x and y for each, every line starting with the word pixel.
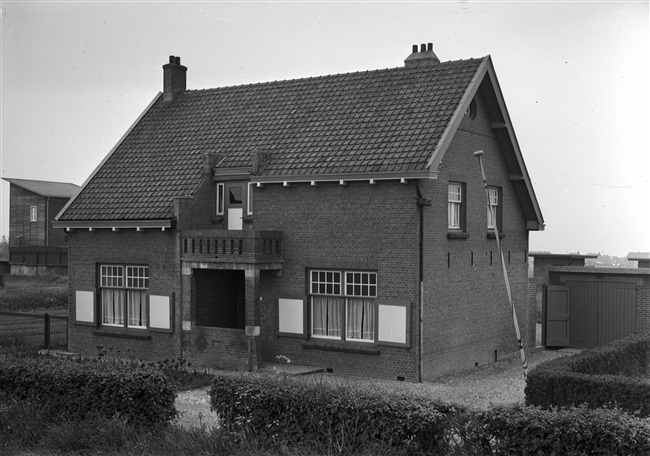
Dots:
pixel 343 304
pixel 456 206
pixel 33 213
pixel 493 210
pixel 124 295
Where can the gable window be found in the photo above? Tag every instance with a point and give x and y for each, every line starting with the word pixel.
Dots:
pixel 493 210
pixel 124 295
pixel 33 213
pixel 343 304
pixel 456 206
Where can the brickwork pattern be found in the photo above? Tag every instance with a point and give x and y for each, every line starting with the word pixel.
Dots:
pixel 356 226
pixel 156 249
pixel 467 319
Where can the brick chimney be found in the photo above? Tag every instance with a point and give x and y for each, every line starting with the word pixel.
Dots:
pixel 425 57
pixel 173 78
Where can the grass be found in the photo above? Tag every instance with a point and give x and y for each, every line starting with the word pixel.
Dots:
pixel 34 293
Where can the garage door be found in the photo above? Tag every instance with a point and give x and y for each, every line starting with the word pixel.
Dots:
pixel 600 312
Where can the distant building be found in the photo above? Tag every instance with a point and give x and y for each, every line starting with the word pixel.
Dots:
pixel 35 247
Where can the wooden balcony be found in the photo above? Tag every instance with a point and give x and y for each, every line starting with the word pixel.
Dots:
pixel 263 248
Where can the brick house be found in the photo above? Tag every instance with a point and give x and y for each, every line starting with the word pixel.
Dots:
pixel 35 247
pixel 339 221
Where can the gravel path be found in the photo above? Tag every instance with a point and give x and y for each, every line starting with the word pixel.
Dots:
pixel 500 383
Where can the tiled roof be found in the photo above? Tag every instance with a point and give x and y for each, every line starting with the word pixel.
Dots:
pixel 367 122
pixel 46 188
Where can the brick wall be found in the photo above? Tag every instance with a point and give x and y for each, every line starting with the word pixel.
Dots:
pixel 353 226
pixel 158 250
pixel 467 319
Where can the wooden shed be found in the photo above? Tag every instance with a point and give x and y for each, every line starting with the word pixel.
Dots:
pixel 586 307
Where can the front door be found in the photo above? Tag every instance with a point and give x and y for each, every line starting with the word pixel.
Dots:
pixel 235 205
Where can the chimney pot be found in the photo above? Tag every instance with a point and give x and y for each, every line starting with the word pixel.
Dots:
pixel 177 60
pixel 423 47
pixel 415 48
pixel 430 47
pixel 171 59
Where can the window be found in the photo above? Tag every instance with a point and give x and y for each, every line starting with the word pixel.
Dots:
pixel 220 195
pixel 343 304
pixel 124 295
pixel 250 199
pixel 493 211
pixel 456 207
pixel 33 213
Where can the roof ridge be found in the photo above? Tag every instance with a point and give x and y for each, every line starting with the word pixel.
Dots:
pixel 309 78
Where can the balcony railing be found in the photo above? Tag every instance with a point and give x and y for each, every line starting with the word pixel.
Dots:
pixel 231 246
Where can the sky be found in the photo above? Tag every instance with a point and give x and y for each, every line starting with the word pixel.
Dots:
pixel 575 78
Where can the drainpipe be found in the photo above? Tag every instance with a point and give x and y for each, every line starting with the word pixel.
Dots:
pixel 422 202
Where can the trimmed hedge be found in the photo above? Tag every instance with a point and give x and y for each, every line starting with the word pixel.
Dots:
pixel 344 416
pixel 78 389
pixel 605 377
pixel 525 431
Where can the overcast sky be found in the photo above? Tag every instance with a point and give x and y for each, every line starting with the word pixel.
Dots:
pixel 76 75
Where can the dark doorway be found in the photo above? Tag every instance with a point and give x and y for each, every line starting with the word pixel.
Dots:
pixel 219 297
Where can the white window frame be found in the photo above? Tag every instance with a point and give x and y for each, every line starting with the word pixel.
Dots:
pixel 249 199
pixel 493 204
pixel 455 206
pixel 130 279
pixel 33 213
pixel 347 285
pixel 220 199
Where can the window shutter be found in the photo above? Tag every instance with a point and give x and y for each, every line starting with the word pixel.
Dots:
pixel 85 307
pixel 394 324
pixel 292 317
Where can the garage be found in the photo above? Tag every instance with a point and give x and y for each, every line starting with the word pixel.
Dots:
pixel 590 310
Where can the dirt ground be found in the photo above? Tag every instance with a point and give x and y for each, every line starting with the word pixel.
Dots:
pixel 501 383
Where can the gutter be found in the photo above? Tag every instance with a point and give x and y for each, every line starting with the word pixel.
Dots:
pixel 421 202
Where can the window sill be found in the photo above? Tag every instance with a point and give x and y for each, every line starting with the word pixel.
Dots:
pixel 457 235
pixel 491 235
pixel 342 347
pixel 132 334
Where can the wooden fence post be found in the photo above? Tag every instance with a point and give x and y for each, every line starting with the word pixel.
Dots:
pixel 46 331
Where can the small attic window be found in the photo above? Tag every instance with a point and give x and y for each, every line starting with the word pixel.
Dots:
pixel 471 110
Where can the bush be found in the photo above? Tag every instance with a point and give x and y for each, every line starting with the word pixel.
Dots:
pixel 605 377
pixel 522 431
pixel 78 389
pixel 341 417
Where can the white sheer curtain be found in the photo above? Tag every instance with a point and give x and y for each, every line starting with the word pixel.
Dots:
pixel 113 305
pixel 326 316
pixel 360 319
pixel 137 308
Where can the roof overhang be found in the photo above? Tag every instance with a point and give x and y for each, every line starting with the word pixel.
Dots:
pixel 114 225
pixel 402 176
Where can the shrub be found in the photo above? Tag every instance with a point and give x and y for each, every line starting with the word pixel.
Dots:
pixel 77 389
pixel 524 431
pixel 605 377
pixel 342 417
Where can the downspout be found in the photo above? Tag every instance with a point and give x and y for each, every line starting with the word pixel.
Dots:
pixel 47 223
pixel 422 202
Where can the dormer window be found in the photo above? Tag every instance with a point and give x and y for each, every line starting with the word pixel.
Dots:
pixel 233 201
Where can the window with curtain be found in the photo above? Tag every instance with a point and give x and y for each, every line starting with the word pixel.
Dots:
pixel 124 295
pixel 455 212
pixel 343 304
pixel 493 208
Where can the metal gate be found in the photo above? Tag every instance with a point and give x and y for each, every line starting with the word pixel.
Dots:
pixel 599 312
